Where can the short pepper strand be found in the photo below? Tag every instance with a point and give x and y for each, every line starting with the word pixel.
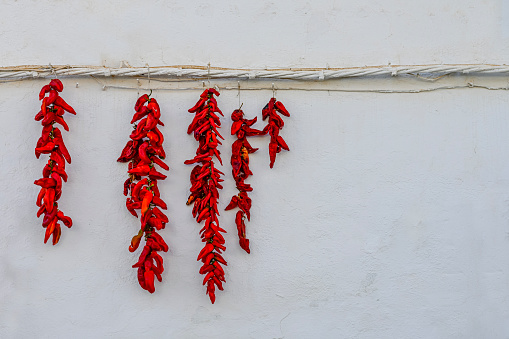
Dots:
pixel 240 170
pixel 205 181
pixel 274 126
pixel 143 152
pixel 51 142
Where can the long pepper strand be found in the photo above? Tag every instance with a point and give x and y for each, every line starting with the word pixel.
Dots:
pixel 240 170
pixel 205 181
pixel 273 127
pixel 51 142
pixel 143 152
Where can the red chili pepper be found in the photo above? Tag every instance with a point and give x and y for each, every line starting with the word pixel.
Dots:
pixel 39 116
pixel 156 223
pixel 56 84
pixel 205 250
pixel 158 262
pixel 198 105
pixel 160 241
pixel 129 151
pixel 46 182
pixel 212 297
pixel 48 218
pixel 40 197
pixel 58 159
pixel 220 259
pixel 154 107
pixel 130 207
pixel 58 181
pixel 142 153
pixel 135 241
pixel 233 203
pixel 145 217
pixel 244 243
pixel 48 148
pixel 53 95
pixel 147 199
pixel 60 102
pixel 160 214
pixel 159 136
pixel 155 175
pixel 66 220
pixel 155 188
pixel 45 89
pixel 281 108
pixel 140 170
pixel 62 149
pixel 149 281
pixel 49 230
pixel 137 187
pixel 140 114
pixel 151 122
pixel 161 163
pixel 157 201
pixel 140 102
pixel 268 108
pixel 49 199
pixel 56 234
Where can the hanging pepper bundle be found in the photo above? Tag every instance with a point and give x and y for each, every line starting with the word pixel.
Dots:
pixel 240 171
pixel 52 110
pixel 205 180
pixel 274 126
pixel 143 152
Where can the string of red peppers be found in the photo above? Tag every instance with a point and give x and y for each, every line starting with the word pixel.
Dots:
pixel 52 110
pixel 143 151
pixel 274 126
pixel 205 180
pixel 240 171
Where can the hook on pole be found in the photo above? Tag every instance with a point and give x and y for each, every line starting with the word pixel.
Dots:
pixel 148 74
pixel 238 94
pixel 208 73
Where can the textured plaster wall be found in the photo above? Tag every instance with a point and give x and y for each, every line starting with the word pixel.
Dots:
pixel 389 218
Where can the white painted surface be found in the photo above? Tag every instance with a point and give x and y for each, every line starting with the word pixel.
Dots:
pixel 388 218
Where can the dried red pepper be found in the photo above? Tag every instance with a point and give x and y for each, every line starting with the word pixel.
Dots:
pixel 51 142
pixel 240 170
pixel 143 152
pixel 275 124
pixel 205 181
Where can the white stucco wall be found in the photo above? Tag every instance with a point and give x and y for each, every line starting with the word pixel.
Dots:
pixel 389 217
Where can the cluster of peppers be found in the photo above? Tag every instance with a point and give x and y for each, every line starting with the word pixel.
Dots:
pixel 240 170
pixel 52 110
pixel 205 180
pixel 274 126
pixel 143 152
